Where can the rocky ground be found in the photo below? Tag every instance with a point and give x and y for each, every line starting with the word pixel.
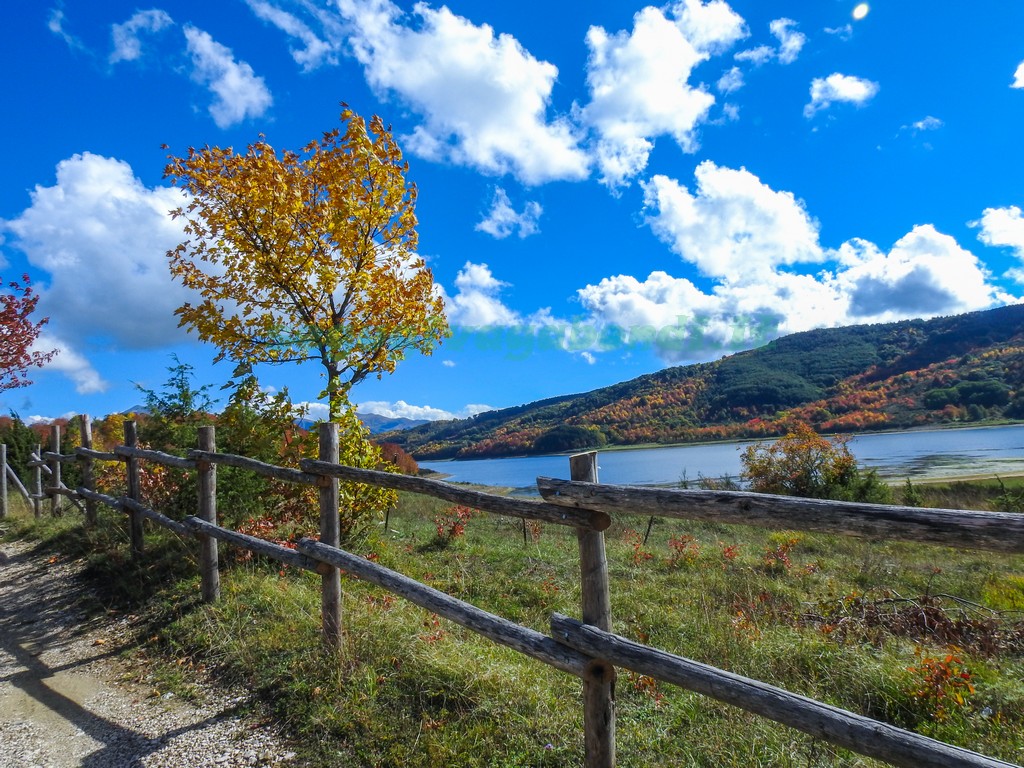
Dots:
pixel 70 696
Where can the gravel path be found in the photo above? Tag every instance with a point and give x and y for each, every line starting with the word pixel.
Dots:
pixel 69 698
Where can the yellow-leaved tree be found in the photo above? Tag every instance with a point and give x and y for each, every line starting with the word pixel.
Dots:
pixel 310 256
pixel 307 256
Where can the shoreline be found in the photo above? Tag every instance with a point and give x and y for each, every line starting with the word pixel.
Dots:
pixel 741 440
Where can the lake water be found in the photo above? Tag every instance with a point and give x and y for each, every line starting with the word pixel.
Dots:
pixel 918 455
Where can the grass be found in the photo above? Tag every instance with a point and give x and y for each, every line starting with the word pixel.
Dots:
pixel 925 637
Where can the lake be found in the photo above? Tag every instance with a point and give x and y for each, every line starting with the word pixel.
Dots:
pixel 918 455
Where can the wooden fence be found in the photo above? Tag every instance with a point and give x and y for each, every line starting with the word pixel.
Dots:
pixel 586 648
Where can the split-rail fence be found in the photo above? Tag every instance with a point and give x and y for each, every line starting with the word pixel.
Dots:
pixel 586 647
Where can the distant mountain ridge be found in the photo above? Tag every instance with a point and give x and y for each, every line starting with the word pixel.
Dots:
pixel 964 368
pixel 374 422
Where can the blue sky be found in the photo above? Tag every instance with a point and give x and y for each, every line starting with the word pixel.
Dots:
pixel 604 188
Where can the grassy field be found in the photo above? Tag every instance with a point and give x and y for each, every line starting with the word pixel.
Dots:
pixel 925 637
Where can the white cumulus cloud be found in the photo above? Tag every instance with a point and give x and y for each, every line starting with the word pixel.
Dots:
pixel 503 220
pixel 709 26
pixel 102 237
pixel 1004 227
pixel 926 273
pixel 790 43
pixel 404 410
pixel 127 45
pixel 837 87
pixel 1018 77
pixel 70 363
pixel 750 241
pixel 639 83
pixel 733 226
pixel 477 302
pixel 484 98
pixel 239 93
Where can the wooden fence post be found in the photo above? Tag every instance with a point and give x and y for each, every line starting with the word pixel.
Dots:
pixel 330 534
pixel 88 469
pixel 3 480
pixel 208 511
pixel 599 678
pixel 131 440
pixel 37 476
pixel 56 500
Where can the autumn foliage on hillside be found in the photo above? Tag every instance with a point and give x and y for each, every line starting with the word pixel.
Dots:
pixel 965 369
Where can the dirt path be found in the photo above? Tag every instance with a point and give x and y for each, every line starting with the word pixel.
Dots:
pixel 69 698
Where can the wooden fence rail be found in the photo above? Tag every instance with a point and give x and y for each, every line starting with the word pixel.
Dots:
pixel 994 531
pixel 586 649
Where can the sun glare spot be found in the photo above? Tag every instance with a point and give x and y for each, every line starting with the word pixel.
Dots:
pixel 861 11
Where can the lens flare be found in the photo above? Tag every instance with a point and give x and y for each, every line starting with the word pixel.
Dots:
pixel 861 11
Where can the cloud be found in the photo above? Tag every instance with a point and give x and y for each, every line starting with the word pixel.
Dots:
pixel 844 32
pixel 102 236
pixel 476 303
pixel 239 93
pixel 1004 227
pixel 312 51
pixel 87 379
pixel 403 410
pixel 710 27
pixel 639 83
pixel 399 410
pixel 503 220
pixel 731 81
pixel 55 23
pixel 837 87
pixel 1018 77
pixel 925 274
pixel 928 123
pixel 734 226
pixel 483 97
pixel 790 44
pixel 126 43
pixel 749 239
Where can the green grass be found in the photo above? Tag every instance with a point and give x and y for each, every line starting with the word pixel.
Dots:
pixel 858 624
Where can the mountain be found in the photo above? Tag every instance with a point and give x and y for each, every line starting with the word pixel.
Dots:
pixel 374 422
pixel 966 368
pixel 377 423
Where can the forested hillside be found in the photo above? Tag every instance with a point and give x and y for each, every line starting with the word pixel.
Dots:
pixel 967 368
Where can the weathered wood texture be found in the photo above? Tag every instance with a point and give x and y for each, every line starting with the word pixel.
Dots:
pixel 501 505
pixel 103 498
pixel 503 631
pixel 142 511
pixel 63 490
pixel 131 439
pixel 995 531
pixel 97 455
pixel 253 544
pixel 330 535
pixel 3 481
pixel 596 605
pixel 88 467
pixel 859 734
pixel 259 467
pixel 37 484
pixel 56 505
pixel 16 481
pixel 48 457
pixel 157 457
pixel 207 501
